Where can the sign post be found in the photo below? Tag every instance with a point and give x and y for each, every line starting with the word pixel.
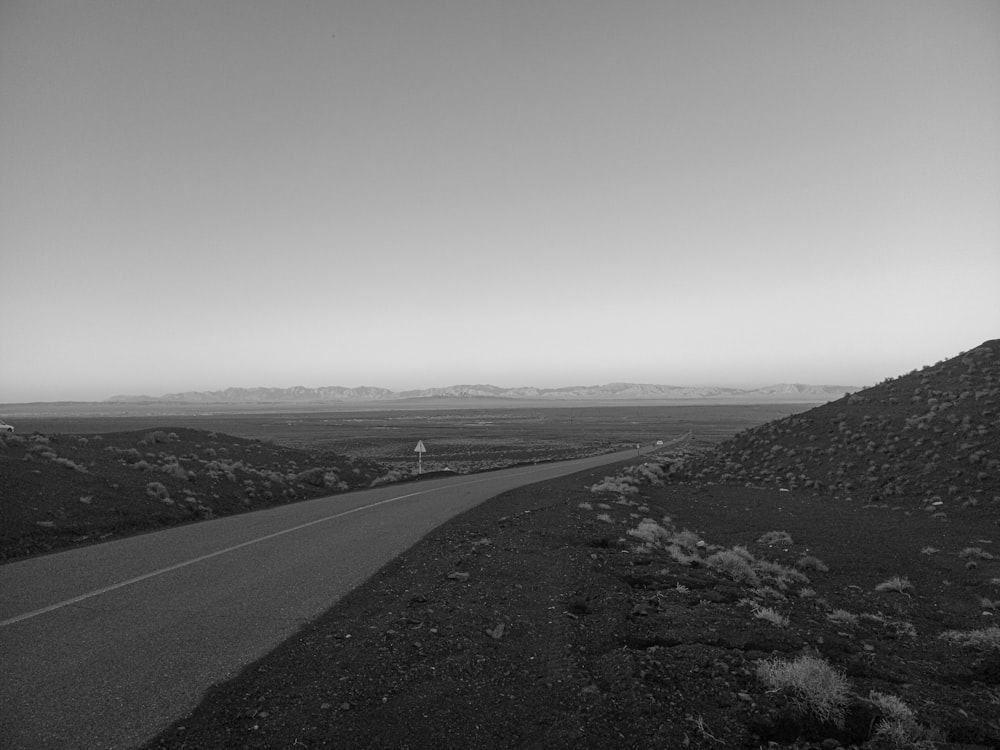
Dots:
pixel 420 450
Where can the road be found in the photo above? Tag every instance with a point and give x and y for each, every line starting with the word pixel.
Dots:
pixel 103 646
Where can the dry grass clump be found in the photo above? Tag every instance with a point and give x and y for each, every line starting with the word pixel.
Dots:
pixel 650 532
pixel 769 615
pixel 843 616
pixel 810 682
pixel 900 585
pixel 898 725
pixel 735 563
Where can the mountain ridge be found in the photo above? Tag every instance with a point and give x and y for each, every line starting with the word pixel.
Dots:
pixel 609 391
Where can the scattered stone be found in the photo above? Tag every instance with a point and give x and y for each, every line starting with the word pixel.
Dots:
pixel 456 576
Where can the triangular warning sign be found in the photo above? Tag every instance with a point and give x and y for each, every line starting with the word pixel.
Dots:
pixel 420 447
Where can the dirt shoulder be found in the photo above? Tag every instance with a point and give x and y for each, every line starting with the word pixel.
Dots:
pixel 553 616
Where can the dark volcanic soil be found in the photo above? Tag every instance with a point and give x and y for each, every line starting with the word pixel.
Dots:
pixel 60 491
pixel 541 619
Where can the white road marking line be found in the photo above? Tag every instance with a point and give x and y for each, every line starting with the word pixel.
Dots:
pixel 192 561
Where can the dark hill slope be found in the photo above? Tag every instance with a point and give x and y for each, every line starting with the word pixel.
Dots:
pixel 930 438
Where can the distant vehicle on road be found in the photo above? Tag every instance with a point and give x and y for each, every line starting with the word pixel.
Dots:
pixel 4 427
pixel 659 442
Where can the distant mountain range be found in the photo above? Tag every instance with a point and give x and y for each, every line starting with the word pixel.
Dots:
pixel 608 392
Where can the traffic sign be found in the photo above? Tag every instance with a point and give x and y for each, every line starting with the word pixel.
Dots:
pixel 420 450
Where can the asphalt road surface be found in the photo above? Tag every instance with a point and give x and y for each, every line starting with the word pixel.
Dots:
pixel 103 646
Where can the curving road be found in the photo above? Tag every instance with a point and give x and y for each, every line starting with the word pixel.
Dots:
pixel 103 646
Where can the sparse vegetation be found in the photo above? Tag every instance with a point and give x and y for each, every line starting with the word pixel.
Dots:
pixel 810 683
pixel 983 639
pixel 611 607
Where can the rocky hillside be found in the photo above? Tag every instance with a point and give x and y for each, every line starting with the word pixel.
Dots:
pixel 929 438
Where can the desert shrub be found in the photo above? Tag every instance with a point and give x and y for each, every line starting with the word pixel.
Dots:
pixel 630 479
pixel 682 555
pixel 127 455
pixel 69 464
pixel 313 477
pixel 618 485
pixel 42 449
pixel 984 639
pixel 157 436
pixel 898 584
pixel 810 682
pixel 809 562
pixel 778 575
pixel 650 532
pixel 686 540
pixel 733 564
pixel 897 724
pixel 173 468
pixel 157 491
pixel 772 538
pixel 332 482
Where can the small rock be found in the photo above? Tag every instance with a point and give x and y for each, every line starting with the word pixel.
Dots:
pixel 345 706
pixel 830 744
pixel 745 697
pixel 869 648
pixel 456 576
pixel 325 706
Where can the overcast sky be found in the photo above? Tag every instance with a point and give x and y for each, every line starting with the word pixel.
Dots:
pixel 198 194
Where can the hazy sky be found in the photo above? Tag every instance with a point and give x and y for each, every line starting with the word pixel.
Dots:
pixel 197 194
